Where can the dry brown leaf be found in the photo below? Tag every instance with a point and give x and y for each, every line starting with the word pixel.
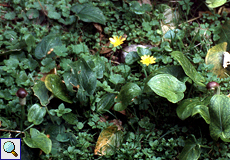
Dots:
pixel 118 123
pixel 105 49
pixel 98 27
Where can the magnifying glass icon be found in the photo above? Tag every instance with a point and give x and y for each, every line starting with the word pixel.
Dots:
pixel 9 147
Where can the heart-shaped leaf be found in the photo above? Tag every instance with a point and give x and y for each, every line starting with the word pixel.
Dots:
pixel 38 140
pixel 46 44
pixel 54 84
pixel 126 95
pixel 167 86
pixel 203 111
pixel 36 114
pixel 219 117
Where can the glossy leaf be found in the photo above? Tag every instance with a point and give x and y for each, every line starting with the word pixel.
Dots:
pixel 41 92
pixel 191 150
pixel 83 76
pixel 106 102
pixel 219 115
pixel 185 108
pixel 88 13
pixel 167 86
pixel 54 84
pixel 215 3
pixel 203 111
pixel 38 140
pixel 125 96
pixel 189 69
pixel 131 57
pixel 109 139
pixel 36 114
pixel 46 44
pixel 215 57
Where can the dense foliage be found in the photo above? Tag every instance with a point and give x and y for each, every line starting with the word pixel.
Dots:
pixel 113 79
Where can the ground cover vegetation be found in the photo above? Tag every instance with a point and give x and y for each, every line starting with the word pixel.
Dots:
pixel 113 79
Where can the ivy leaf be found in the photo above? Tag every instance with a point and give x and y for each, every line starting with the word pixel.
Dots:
pixel 80 48
pixel 32 14
pixel 54 15
pixel 116 79
pixel 10 16
pixel 61 51
pixel 48 64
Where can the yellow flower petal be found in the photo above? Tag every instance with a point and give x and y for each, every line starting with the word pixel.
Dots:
pixel 146 59
pixel 116 41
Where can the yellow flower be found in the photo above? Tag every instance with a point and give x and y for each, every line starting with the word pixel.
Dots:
pixel 116 41
pixel 146 59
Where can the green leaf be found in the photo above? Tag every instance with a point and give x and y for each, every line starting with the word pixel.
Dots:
pixel 80 48
pixel 88 13
pixel 188 68
pixel 62 137
pixel 203 111
pixel 219 115
pixel 54 15
pixel 46 44
pixel 36 114
pixel 32 14
pixel 30 41
pixel 191 150
pixel 131 57
pixel 70 118
pixel 38 140
pixel 126 95
pixel 215 57
pixel 41 92
pixel 83 76
pixel 167 86
pixel 143 51
pixel 139 9
pixel 10 16
pixel 61 51
pixel 116 79
pixel 192 106
pixel 54 84
pixel 225 33
pixel 48 64
pixel 215 3
pixel 106 102
pixel 109 139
